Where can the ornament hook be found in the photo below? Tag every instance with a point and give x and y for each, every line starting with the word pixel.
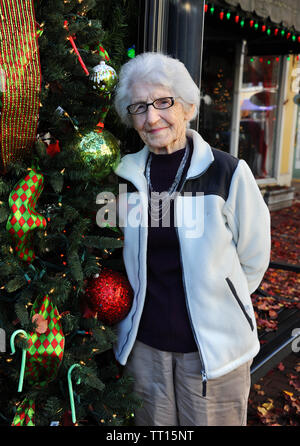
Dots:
pixel 13 351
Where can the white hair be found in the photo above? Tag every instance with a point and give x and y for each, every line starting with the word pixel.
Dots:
pixel 157 69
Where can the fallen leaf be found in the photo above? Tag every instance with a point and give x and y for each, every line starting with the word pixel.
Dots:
pixel 269 406
pixel 281 367
pixel 262 410
pixel 295 382
pixel 273 314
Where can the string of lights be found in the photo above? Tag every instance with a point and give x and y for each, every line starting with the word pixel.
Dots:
pixel 252 22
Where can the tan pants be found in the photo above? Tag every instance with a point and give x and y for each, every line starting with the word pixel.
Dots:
pixel 170 386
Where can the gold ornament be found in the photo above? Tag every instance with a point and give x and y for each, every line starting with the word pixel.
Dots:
pixel 100 152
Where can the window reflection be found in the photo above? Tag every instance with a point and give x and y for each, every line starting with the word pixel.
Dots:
pixel 258 110
pixel 258 94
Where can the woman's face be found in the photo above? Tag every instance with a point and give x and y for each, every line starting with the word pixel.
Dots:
pixel 163 131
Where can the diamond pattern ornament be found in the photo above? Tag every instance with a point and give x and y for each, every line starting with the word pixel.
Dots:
pixel 24 218
pixel 45 351
pixel 25 414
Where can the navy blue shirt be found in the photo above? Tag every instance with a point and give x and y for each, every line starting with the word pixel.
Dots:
pixel 165 323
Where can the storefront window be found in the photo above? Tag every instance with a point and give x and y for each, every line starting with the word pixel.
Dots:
pixel 258 111
pixel 217 97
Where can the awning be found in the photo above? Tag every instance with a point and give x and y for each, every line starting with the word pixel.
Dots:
pixel 285 12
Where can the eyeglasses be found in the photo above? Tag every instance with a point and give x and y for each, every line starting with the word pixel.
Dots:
pixel 142 107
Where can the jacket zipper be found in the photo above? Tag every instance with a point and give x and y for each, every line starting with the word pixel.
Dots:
pixel 203 371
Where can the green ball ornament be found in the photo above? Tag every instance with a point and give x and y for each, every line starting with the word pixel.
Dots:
pixel 103 78
pixel 100 153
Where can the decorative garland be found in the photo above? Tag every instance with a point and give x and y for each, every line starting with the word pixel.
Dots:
pixel 21 76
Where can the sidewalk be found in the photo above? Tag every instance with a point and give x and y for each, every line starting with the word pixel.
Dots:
pixel 296 185
pixel 275 399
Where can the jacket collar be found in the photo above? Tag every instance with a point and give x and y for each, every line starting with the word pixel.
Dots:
pixel 132 166
pixel 202 155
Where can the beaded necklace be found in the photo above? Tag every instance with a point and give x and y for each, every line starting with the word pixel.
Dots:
pixel 159 203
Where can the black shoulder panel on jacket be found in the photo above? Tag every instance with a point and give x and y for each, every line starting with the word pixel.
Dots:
pixel 129 186
pixel 216 179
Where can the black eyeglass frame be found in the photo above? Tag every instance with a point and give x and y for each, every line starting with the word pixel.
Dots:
pixel 153 104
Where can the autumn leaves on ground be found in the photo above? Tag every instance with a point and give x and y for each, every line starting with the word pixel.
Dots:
pixel 275 399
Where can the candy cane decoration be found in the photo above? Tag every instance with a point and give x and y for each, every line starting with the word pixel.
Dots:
pixel 13 351
pixel 71 394
pixel 71 39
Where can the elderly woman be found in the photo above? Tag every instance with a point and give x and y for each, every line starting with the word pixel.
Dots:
pixel 196 245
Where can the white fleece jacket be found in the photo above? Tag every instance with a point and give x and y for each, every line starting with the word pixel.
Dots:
pixel 224 238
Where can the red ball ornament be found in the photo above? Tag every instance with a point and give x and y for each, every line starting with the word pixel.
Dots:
pixel 109 296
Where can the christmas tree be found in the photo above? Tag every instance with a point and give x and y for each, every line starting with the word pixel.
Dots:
pixel 60 141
